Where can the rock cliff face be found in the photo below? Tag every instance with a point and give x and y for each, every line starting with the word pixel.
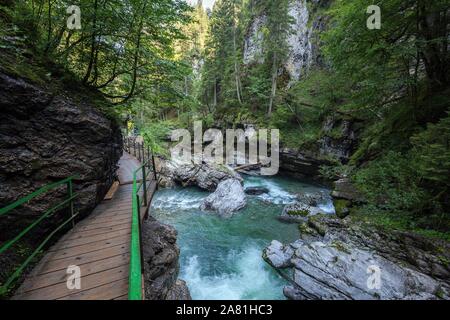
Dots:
pixel 339 140
pixel 161 264
pixel 303 52
pixel 339 136
pixel 46 135
pixel 253 42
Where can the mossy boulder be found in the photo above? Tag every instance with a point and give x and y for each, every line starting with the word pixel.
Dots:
pixel 342 207
pixel 298 212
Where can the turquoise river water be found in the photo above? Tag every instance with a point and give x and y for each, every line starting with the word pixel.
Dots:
pixel 221 258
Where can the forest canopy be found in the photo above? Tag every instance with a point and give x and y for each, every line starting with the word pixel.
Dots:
pixel 165 64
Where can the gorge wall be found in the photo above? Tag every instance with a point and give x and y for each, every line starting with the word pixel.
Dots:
pixel 303 41
pixel 47 133
pixel 339 135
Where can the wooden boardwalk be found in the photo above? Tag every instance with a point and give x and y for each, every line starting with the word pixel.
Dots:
pixel 99 245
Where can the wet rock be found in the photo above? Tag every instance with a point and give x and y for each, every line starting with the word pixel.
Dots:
pixel 344 189
pixel 228 198
pixel 298 212
pixel 278 255
pixel 256 191
pixel 301 164
pixel 311 199
pixel 161 265
pixel 204 176
pixel 354 261
pixel 179 291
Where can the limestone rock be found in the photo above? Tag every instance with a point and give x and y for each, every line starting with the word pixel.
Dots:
pixel 228 198
pixel 352 261
pixel 344 189
pixel 179 291
pixel 204 176
pixel 47 134
pixel 278 255
pixel 298 212
pixel 161 265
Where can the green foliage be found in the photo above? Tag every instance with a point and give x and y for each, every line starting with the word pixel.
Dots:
pixel 393 220
pixel 432 155
pixel 391 183
pixel 155 136
pixel 123 47
pixel 414 182
pixel 383 65
pixel 337 171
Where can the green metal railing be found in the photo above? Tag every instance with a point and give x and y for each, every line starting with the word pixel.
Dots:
pixel 139 200
pixel 141 152
pixel 68 202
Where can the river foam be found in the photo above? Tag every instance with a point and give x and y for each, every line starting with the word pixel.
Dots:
pixel 250 279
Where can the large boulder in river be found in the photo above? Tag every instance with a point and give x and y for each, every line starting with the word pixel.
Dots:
pixel 347 260
pixel 298 212
pixel 228 198
pixel 205 176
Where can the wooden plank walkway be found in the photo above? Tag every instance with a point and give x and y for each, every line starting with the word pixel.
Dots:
pixel 99 245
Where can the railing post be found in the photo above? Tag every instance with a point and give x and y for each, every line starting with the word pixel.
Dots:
pixel 143 152
pixel 154 169
pixel 139 152
pixel 70 194
pixel 138 206
pixel 134 147
pixel 144 181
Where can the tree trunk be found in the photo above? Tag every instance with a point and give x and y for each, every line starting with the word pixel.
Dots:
pixel 433 31
pixel 215 93
pixel 236 68
pixel 93 41
pixel 274 84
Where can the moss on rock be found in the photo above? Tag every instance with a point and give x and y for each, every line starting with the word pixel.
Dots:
pixel 342 207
